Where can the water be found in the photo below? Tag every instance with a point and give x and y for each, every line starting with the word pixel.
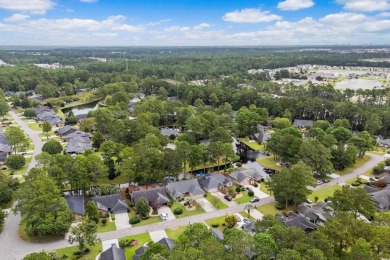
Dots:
pixel 358 83
pixel 82 109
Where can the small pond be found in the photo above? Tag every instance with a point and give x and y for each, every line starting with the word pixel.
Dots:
pixel 82 109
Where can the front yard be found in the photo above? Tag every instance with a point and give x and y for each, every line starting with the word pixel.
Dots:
pixel 174 233
pixel 68 252
pixel 270 209
pixel 186 213
pixel 109 226
pixel 216 202
pixel 143 222
pixel 141 238
pixel 324 193
pixel 220 221
pixel 253 145
pixel 269 162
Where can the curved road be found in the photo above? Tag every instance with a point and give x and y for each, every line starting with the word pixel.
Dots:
pixel 12 247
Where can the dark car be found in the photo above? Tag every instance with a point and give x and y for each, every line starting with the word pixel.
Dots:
pixel 228 197
pixel 255 200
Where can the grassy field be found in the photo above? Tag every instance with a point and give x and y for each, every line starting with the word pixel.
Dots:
pixel 68 251
pixel 270 209
pixel 324 193
pixel 216 202
pixel 109 226
pixel 359 162
pixel 245 215
pixel 187 213
pixel 379 150
pixel 254 145
pixel 219 220
pixel 142 238
pixel 244 199
pixel 263 188
pixel 174 233
pixel 120 179
pixel 35 126
pixel 269 162
pixel 144 222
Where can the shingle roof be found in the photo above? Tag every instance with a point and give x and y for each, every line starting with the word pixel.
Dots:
pixel 303 123
pixel 78 145
pixel 113 253
pixel 382 199
pixel 65 129
pixel 178 189
pixel 76 204
pixel 217 233
pixel 241 175
pixel 113 202
pixel 84 135
pixel 294 220
pixel 213 181
pixel 155 195
pixel 169 132
pixel 167 242
pixel 320 211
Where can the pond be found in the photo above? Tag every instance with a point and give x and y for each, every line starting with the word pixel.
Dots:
pixel 358 84
pixel 82 109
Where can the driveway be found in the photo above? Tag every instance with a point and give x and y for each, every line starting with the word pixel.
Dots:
pixel 221 196
pixel 157 235
pixel 122 221
pixel 257 191
pixel 168 211
pixel 108 243
pixel 205 204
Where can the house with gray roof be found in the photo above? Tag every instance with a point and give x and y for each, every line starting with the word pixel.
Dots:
pixel 5 149
pixel 76 204
pixel 217 234
pixel 169 132
pixel 167 242
pixel 47 114
pixel 113 253
pixel 249 227
pixel 110 203
pixel 66 130
pixel 156 196
pixel 294 220
pixel 383 142
pixel 300 123
pixel 83 135
pixel 78 145
pixel 213 183
pixel 245 177
pixel 185 188
pixel 318 213
pixel 381 199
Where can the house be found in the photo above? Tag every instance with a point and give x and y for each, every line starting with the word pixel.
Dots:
pixel 167 242
pixel 81 117
pixel 5 149
pixel 381 198
pixel 245 177
pixel 139 95
pixel 317 214
pixel 78 145
pixel 217 234
pixel 47 114
pixel 169 132
pixel 76 204
pixel 41 109
pixel 383 142
pixel 110 203
pixel 303 123
pixel 249 227
pixel 156 196
pixel 385 178
pixel 113 253
pixel 185 188
pixel 213 183
pixel 65 130
pixel 262 137
pixel 83 135
pixel 294 220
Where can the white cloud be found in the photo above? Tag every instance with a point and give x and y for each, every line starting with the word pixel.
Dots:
pixel 250 15
pixel 16 18
pixel 293 5
pixel 384 14
pixel 201 26
pixel 32 6
pixel 88 1
pixel 365 5
pixel 158 22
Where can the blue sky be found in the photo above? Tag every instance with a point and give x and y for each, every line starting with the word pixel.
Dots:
pixel 194 22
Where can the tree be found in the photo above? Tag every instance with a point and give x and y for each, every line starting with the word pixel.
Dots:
pixel 29 112
pixel 240 249
pixel 220 134
pixel 184 149
pixel 290 185
pixel 317 156
pixel 156 251
pixel 247 122
pixel 362 250
pixel 373 124
pixel 142 207
pixel 91 211
pixel 286 144
pixel 353 200
pixel 38 256
pixel 2 217
pixel 228 154
pixel 195 157
pixel 215 150
pixel 46 128
pixel 15 161
pixel 289 254
pixel 323 124
pixel 103 119
pixel 265 246
pixel 4 107
pixel 97 139
pixel 84 233
pixel 231 220
pixel 52 147
pixel 16 137
pixel 362 141
pixel 41 205
pixel 281 123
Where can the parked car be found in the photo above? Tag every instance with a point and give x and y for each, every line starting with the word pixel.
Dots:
pixel 253 200
pixel 372 179
pixel 246 220
pixel 248 188
pixel 319 182
pixel 228 197
pixel 309 201
pixel 163 216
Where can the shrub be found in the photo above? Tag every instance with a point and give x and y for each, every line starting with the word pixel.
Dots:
pixel 242 189
pixel 104 221
pixel 256 185
pixel 215 225
pixel 52 147
pixel 205 195
pixel 124 243
pixel 238 164
pixel 15 161
pixel 380 183
pixel 316 198
pixel 238 189
pixel 87 250
pixel 355 184
pixel 279 206
pixel 77 253
pixel 178 211
pixel 134 220
pixel 251 193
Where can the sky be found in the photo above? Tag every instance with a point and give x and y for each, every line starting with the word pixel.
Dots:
pixel 194 22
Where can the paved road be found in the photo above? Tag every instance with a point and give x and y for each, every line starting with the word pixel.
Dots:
pixel 14 248
pixel 34 136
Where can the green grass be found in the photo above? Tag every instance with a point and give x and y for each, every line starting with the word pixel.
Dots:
pixel 174 233
pixel 219 220
pixel 245 215
pixel 187 213
pixel 216 202
pixel 35 126
pixel 109 226
pixel 21 171
pixel 379 150
pixel 245 198
pixel 142 238
pixel 324 193
pixel 120 179
pixel 359 163
pixel 270 209
pixel 150 220
pixel 269 162
pixel 51 133
pixel 264 188
pixel 254 145
pixel 68 251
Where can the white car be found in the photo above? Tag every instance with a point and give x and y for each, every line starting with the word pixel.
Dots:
pixel 163 216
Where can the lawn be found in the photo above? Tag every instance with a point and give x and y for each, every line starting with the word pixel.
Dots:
pixel 216 202
pixel 142 238
pixel 51 133
pixel 118 180
pixel 174 233
pixel 359 162
pixel 324 193
pixel 219 220
pixel 244 199
pixel 109 226
pixel 21 171
pixel 35 126
pixel 379 150
pixel 143 222
pixel 269 162
pixel 254 145
pixel 68 251
pixel 187 213
pixel 264 188
pixel 270 209
pixel 245 215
